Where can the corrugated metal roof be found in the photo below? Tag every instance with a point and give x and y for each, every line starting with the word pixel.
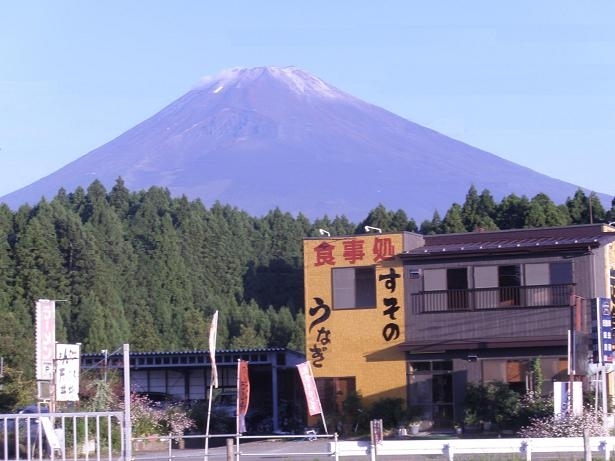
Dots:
pixel 526 240
pixel 199 351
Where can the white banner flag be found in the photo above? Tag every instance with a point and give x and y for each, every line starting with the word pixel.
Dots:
pixel 309 386
pixel 213 330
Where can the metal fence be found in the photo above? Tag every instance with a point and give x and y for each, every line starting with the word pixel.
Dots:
pixel 63 436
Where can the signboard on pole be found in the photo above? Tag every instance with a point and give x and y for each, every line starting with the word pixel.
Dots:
pixel 567 398
pixel 45 338
pixel 602 329
pixel 67 372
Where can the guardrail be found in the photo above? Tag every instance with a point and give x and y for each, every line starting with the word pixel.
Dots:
pixel 330 447
pixel 524 448
pixel 236 446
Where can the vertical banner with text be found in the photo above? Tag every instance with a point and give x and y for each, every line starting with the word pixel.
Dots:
pixel 68 362
pixel 602 328
pixel 45 338
pixel 309 386
pixel 243 395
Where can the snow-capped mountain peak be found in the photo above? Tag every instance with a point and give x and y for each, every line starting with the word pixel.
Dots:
pixel 270 137
pixel 299 81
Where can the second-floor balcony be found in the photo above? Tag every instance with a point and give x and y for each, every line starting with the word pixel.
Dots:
pixel 492 298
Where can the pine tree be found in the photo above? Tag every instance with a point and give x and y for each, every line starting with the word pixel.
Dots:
pixel 512 211
pixel 432 227
pixel 477 210
pixel 543 212
pixel 453 220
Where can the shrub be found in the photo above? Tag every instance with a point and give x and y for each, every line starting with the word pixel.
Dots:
pixel 390 410
pixel 566 425
pixel 493 401
pixel 148 420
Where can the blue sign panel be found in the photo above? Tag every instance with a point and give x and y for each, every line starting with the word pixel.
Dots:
pixel 602 330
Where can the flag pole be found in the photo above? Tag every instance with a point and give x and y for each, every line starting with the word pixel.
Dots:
pixel 237 399
pixel 213 330
pixel 211 388
pixel 322 413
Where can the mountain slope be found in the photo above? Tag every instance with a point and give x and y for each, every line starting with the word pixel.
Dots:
pixel 266 137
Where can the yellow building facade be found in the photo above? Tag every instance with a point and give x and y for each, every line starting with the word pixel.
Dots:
pixel 353 327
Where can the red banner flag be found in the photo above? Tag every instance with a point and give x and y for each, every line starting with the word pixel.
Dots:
pixel 243 395
pixel 309 386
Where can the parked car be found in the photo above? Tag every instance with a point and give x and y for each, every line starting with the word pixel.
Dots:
pixel 23 432
pixel 225 404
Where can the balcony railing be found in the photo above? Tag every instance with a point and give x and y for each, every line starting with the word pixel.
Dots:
pixel 492 298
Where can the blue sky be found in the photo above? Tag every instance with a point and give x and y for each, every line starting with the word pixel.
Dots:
pixel 530 81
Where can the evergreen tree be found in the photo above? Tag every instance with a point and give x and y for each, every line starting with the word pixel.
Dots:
pixel 610 215
pixel 475 212
pixel 543 212
pixel 512 211
pixel 584 209
pixel 40 273
pixel 195 329
pixel 379 217
pixel 6 261
pixel 432 227
pixel 282 326
pixel 400 222
pixel 453 220
pixel 119 198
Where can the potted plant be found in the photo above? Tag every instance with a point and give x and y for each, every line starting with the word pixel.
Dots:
pixel 414 425
pixel 471 421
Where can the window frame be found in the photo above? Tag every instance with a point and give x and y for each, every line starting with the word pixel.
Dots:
pixel 354 287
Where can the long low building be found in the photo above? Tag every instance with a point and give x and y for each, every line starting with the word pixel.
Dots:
pixel 275 388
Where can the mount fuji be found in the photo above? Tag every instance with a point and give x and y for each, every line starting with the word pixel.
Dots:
pixel 271 137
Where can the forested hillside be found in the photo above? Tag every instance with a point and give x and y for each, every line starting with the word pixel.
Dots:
pixel 150 270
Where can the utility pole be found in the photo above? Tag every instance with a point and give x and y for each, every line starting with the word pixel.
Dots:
pixel 105 353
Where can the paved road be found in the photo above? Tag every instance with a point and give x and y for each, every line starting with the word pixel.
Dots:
pixel 282 450
pixel 304 450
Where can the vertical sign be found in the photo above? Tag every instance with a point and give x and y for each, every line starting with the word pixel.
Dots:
pixel 376 431
pixel 67 373
pixel 309 386
pixel 243 395
pixel 602 330
pixel 566 399
pixel 45 338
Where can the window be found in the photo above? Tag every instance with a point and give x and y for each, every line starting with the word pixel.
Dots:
pixel 457 286
pixel 431 390
pixel 509 281
pixel 333 393
pixel 448 288
pixel 354 287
